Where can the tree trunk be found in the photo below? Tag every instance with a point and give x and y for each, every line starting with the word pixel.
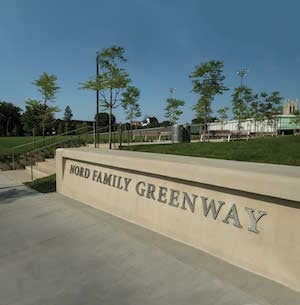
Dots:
pixel 109 128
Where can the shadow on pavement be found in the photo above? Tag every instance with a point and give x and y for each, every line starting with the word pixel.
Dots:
pixel 14 192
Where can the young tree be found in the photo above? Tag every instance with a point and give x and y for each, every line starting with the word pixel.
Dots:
pixel 47 86
pixel 207 81
pixel 130 99
pixel 295 121
pixel 223 116
pixel 111 82
pixel 10 119
pixel 241 98
pixel 273 108
pixel 104 121
pixel 68 118
pixel 32 117
pixel 172 110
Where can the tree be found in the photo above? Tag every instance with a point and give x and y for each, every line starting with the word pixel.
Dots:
pixel 10 119
pixel 48 88
pixel 111 82
pixel 241 98
pixel 296 120
pixel 130 104
pixel 68 118
pixel 223 116
pixel 172 111
pixel 60 127
pixel 207 81
pixel 273 108
pixel 38 116
pixel 104 121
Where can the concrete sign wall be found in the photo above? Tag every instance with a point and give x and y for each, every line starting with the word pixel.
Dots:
pixel 247 214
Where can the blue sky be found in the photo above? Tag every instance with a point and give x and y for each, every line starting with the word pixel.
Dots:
pixel 163 40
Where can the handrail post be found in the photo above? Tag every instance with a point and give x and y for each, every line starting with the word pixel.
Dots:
pixel 94 134
pixel 13 159
pixel 34 148
pixel 120 135
pixel 31 170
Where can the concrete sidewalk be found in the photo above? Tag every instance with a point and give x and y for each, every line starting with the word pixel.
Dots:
pixel 55 250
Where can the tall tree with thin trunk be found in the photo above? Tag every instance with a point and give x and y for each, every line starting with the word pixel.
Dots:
pixel 130 103
pixel 48 88
pixel 241 98
pixel 111 82
pixel 273 108
pixel 172 110
pixel 208 81
pixel 295 121
pixel 223 116
pixel 68 118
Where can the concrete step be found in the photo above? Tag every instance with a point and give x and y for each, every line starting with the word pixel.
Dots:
pixel 39 172
pixel 50 160
pixel 51 166
pixel 21 175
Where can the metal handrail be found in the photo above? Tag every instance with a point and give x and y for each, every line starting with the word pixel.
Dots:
pixel 57 135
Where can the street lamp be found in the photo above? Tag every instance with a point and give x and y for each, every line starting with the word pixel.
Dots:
pixel 242 73
pixel 172 90
pixel 97 99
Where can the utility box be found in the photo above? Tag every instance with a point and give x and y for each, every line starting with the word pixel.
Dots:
pixel 181 133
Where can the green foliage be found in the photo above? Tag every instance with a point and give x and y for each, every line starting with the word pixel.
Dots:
pixel 61 127
pixel 276 150
pixel 38 116
pixel 111 81
pixel 130 99
pixel 43 185
pixel 273 105
pixel 68 118
pixel 241 98
pixel 296 120
pixel 222 112
pixel 10 119
pixel 104 120
pixel 47 86
pixel 172 109
pixel 207 81
pixel 265 107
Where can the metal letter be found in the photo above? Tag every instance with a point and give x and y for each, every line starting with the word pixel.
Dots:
pixel 254 220
pixel 174 196
pixel 95 173
pixel 150 191
pixel 162 194
pixel 187 199
pixel 127 181
pixel 211 207
pixel 233 215
pixel 140 191
pixel 107 179
pixel 72 169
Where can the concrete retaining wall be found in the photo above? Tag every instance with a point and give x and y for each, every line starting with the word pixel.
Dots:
pixel 245 213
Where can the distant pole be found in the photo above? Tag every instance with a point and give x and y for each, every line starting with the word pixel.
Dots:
pixel 172 90
pixel 242 73
pixel 97 99
pixel 94 134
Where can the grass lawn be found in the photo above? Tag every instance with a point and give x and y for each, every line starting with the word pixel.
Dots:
pixel 280 150
pixel 7 143
pixel 44 185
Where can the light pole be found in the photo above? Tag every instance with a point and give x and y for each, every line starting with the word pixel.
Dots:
pixel 172 90
pixel 97 99
pixel 242 73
